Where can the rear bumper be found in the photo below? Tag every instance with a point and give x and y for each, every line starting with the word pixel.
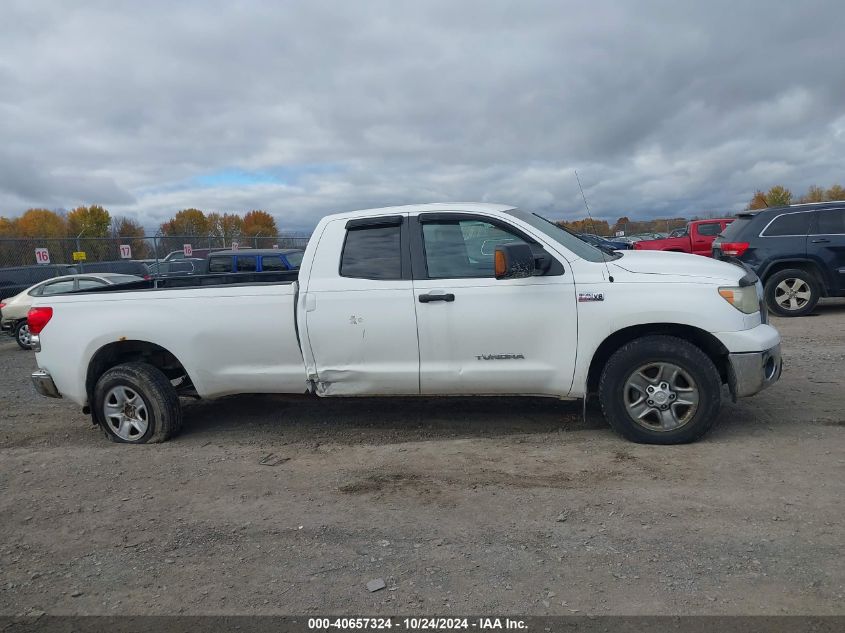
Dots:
pixel 44 384
pixel 751 372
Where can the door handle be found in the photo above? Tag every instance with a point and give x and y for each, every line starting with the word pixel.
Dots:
pixel 428 298
pixel 822 240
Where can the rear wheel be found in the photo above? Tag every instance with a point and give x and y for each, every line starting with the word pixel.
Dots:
pixel 792 292
pixel 22 335
pixel 660 390
pixel 135 403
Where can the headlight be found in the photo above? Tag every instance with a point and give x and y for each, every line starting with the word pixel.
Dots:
pixel 743 298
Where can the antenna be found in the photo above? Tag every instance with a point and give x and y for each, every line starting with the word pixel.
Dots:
pixel 593 225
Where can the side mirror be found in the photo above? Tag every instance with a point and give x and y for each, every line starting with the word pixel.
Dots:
pixel 513 261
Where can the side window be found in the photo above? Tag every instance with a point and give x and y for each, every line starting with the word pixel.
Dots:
pixel 87 284
pixel 463 248
pixel 831 222
pixel 246 263
pixel 57 287
pixel 789 224
pixel 373 252
pixel 709 229
pixel 222 264
pixel 272 262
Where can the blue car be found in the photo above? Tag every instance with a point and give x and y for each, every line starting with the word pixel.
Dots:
pixel 255 260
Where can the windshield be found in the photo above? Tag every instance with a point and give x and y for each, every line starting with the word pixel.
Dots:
pixel 578 246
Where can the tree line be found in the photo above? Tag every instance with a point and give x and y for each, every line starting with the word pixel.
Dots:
pixel 95 221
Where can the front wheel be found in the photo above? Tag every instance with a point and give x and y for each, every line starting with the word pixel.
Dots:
pixel 22 335
pixel 135 403
pixel 660 390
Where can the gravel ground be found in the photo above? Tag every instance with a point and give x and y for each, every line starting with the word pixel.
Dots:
pixel 290 505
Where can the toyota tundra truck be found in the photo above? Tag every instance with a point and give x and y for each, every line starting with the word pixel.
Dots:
pixel 434 299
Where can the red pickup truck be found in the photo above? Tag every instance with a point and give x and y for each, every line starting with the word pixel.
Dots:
pixel 697 238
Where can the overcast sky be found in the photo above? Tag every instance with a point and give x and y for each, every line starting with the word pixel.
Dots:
pixel 665 108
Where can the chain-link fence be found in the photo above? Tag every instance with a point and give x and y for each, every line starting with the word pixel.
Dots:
pixel 26 251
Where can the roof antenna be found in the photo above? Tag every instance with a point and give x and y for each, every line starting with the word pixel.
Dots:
pixel 593 226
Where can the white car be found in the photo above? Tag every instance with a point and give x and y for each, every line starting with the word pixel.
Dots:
pixel 14 309
pixel 410 301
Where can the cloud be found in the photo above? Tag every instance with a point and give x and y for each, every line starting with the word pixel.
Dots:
pixel 305 108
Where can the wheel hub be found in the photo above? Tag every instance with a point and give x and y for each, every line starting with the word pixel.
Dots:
pixel 661 396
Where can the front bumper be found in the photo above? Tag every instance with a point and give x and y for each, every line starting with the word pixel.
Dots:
pixel 751 372
pixel 44 384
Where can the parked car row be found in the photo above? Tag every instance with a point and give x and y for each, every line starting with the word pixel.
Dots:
pixel 13 311
pixel 797 251
pixel 21 284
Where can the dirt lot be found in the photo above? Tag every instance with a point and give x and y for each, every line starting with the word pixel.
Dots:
pixel 460 505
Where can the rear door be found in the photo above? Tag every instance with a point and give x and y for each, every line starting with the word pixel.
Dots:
pixel 480 335
pixel 359 309
pixel 826 245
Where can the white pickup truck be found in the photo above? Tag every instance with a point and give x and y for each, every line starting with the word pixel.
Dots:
pixel 432 299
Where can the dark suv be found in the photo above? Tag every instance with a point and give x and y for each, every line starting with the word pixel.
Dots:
pixel 798 252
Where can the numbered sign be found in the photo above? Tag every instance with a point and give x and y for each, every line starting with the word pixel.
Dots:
pixel 125 251
pixel 234 246
pixel 187 250
pixel 79 256
pixel 42 256
pixel 275 247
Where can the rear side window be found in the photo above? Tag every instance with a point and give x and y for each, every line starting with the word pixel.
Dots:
pixel 709 229
pixel 372 253
pixel 789 224
pixel 831 222
pixel 272 262
pixel 221 264
pixel 57 286
pixel 87 284
pixel 246 263
pixel 733 230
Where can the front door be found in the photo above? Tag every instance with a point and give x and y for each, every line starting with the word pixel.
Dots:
pixel 480 335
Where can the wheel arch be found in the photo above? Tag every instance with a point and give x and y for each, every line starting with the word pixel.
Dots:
pixel 806 265
pixel 119 352
pixel 702 339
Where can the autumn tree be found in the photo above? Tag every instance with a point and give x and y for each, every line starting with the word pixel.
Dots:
pixel 228 226
pixel 777 196
pixel 127 231
pixel 186 222
pixel 259 223
pixel 814 194
pixel 41 223
pixel 836 192
pixel 8 227
pixel 92 221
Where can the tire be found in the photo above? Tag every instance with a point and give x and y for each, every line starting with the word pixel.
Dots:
pixel 135 403
pixel 803 284
pixel 633 369
pixel 21 334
